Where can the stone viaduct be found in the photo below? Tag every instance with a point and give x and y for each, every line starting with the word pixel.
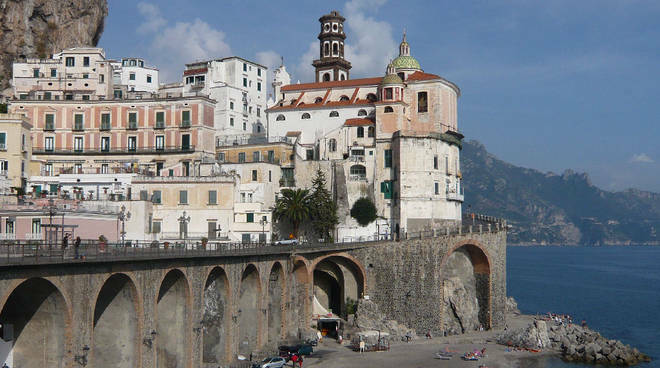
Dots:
pixel 202 310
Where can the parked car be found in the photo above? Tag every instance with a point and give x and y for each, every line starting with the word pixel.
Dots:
pixel 300 349
pixel 270 362
pixel 287 242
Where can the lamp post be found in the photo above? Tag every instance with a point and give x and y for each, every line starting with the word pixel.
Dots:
pixel 183 225
pixel 263 222
pixel 52 211
pixel 123 216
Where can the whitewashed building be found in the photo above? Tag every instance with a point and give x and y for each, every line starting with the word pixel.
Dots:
pixel 135 76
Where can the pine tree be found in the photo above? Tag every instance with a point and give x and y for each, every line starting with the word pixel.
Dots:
pixel 323 208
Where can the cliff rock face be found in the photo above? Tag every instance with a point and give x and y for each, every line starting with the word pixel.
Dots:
pixel 39 28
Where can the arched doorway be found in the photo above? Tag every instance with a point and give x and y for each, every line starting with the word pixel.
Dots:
pixel 248 311
pixel 34 321
pixel 172 327
pixel 466 289
pixel 115 324
pixel 339 283
pixel 275 307
pixel 214 321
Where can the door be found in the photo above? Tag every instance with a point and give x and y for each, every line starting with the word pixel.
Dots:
pixel 185 142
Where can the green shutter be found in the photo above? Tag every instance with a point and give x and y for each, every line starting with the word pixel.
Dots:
pixel 250 217
pixel 50 118
pixel 160 117
pixel 185 116
pixel 79 119
pixel 132 117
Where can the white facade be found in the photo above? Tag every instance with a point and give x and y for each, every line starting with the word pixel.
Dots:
pixel 137 77
pixel 239 88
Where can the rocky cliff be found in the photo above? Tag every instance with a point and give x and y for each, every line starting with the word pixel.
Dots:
pixel 39 28
pixel 547 208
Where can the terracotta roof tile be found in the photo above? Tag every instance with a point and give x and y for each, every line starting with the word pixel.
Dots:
pixel 195 71
pixel 322 85
pixel 293 133
pixel 419 76
pixel 358 122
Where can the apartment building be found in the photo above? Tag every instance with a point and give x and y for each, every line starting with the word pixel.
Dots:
pixel 15 152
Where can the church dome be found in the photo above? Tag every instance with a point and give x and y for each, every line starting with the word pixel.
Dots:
pixel 406 62
pixel 391 79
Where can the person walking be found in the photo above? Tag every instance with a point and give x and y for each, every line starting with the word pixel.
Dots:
pixel 300 360
pixel 294 359
pixel 76 246
pixel 65 241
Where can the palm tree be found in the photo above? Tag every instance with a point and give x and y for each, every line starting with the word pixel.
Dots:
pixel 293 205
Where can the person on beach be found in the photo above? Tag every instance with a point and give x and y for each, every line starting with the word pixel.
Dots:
pixel 361 346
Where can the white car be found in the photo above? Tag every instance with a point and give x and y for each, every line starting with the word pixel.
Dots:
pixel 287 242
pixel 271 362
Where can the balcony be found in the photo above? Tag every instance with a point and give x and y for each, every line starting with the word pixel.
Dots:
pixel 453 196
pixel 78 127
pixel 287 183
pixel 132 125
pixel 357 177
pixel 3 146
pixel 33 236
pixel 185 124
pixel 118 150
pixel 160 125
pixel 49 127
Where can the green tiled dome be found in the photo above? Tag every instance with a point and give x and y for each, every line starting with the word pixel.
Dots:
pixel 406 62
pixel 391 79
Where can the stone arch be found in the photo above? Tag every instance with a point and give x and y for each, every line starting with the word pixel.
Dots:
pixel 216 347
pixel 276 297
pixel 37 315
pixel 173 320
pixel 116 324
pixel 466 277
pixel 350 277
pixel 249 310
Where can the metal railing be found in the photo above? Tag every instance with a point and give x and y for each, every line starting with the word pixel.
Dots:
pixel 116 150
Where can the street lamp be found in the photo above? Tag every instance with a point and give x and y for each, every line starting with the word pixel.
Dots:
pixel 52 211
pixel 183 225
pixel 123 216
pixel 263 222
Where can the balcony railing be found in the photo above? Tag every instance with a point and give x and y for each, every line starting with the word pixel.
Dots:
pixel 160 125
pixel 49 127
pixel 78 127
pixel 7 236
pixel 453 196
pixel 105 126
pixel 132 125
pixel 117 150
pixel 357 177
pixel 3 147
pixel 33 236
pixel 185 124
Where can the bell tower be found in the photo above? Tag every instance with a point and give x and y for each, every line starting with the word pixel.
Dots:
pixel 331 65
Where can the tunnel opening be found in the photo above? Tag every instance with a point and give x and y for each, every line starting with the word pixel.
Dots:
pixel 466 290
pixel 172 321
pixel 214 320
pixel 34 322
pixel 248 311
pixel 338 285
pixel 115 324
pixel 275 307
pixel 328 292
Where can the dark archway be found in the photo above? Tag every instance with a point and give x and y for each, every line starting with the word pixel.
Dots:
pixel 248 311
pixel 172 321
pixel 338 282
pixel 35 320
pixel 275 306
pixel 466 289
pixel 116 324
pixel 215 319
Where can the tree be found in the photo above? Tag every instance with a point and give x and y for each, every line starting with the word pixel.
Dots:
pixel 363 211
pixel 293 206
pixel 323 208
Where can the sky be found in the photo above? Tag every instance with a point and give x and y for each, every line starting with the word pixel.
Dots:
pixel 550 85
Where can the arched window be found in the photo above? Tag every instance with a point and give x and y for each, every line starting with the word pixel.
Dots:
pixel 371 97
pixel 326 48
pixel 326 77
pixel 305 116
pixel 388 109
pixel 360 132
pixel 371 131
pixel 342 77
pixel 318 100
pixel 358 170
pixel 335 49
pixel 334 114
pixel 362 112
pixel 280 117
pixel 343 98
pixel 332 145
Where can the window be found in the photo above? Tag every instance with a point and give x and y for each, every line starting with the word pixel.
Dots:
pixel 256 156
pixel 270 176
pixel 422 102
pixel 244 82
pixel 305 116
pixel 132 120
pixel 250 217
pixel 70 61
pixel 85 97
pixel 185 142
pixel 49 144
pixel 344 98
pixel 105 121
pixel 258 72
pixel 332 145
pixel 334 114
pixel 35 73
pixel 3 141
pixel 4 165
pixel 231 105
pixel 244 67
pixel 244 125
pixel 212 229
pixel 221 157
pixel 131 76
pixel 241 157
pixel 156 197
pixel 50 122
pixel 185 118
pixel 85 76
pixel 117 93
pixel 280 117
pixel 160 142
pixel 53 73
pixel 388 109
pixel 183 197
pixel 254 175
pixel 132 143
pixel 86 61
pixel 105 144
pixel 386 189
pixel 148 79
pixel 388 93
pixel 78 122
pixel 47 95
pixel 362 112
pixel 358 170
pixel 309 154
pixel 388 158
pixel 435 162
pixel 258 112
pixel 258 86
pixel 360 132
pixel 101 78
pixel 160 119
pixel 213 197
pixel 231 121
pixel 371 132
pixel 78 144
pixel 437 187
pixel 104 168
pixel 271 156
pixel 155 227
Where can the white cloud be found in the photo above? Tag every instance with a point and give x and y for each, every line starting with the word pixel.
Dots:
pixel 641 158
pixel 304 71
pixel 174 45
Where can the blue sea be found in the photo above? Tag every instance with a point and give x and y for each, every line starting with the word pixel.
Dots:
pixel 615 289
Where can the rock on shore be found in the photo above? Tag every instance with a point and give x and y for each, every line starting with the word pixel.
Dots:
pixel 575 343
pixel 368 317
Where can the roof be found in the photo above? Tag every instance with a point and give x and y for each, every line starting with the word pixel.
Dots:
pixel 293 133
pixel 195 71
pixel 358 122
pixel 392 79
pixel 406 62
pixel 322 85
pixel 419 76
